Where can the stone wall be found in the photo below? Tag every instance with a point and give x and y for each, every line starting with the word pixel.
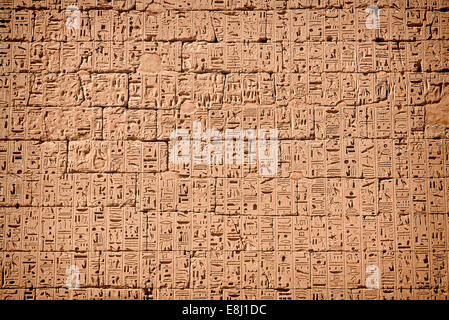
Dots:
pixel 91 92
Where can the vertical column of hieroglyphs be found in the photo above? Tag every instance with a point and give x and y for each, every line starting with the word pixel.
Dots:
pixel 91 92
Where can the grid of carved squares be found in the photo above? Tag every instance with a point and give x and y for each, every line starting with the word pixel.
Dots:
pixel 85 178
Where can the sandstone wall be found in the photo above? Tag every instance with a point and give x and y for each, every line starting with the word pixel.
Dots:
pixel 91 91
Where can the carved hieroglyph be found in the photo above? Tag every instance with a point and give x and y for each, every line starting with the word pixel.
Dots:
pixel 91 92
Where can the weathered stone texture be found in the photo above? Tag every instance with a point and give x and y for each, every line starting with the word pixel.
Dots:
pixel 87 114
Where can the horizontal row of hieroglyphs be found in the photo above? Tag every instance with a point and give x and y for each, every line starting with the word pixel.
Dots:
pixel 232 196
pixel 229 26
pixel 212 5
pixel 170 90
pixel 221 275
pixel 395 227
pixel 355 158
pixel 201 57
pixel 145 293
pixel 297 121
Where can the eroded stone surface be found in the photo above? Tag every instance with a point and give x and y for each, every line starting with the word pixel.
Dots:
pixel 438 113
pixel 150 63
pixel 86 119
